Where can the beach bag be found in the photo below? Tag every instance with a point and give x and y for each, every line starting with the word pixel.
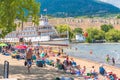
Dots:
pixel 25 63
pixel 39 63
pixel 57 78
pixel 17 56
pixel 89 74
pixel 61 67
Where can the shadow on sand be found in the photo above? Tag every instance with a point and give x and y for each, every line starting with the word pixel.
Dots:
pixel 37 73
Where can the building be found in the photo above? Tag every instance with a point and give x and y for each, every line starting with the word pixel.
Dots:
pixel 85 23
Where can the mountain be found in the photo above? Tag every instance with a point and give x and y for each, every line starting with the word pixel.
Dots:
pixel 72 8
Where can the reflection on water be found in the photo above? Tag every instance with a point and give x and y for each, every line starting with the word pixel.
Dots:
pixel 99 51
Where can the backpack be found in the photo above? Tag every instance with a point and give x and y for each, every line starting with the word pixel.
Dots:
pixel 25 63
pixel 39 63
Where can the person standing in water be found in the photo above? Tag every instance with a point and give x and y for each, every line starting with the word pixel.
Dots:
pixel 107 58
pixel 113 61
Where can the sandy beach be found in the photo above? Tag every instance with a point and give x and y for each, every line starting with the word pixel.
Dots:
pixel 18 70
pixel 89 64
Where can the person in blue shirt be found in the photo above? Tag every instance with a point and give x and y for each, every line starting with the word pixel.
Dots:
pixel 102 70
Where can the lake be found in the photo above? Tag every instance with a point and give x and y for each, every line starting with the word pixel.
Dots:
pixel 99 51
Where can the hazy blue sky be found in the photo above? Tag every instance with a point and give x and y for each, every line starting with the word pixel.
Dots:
pixel 114 2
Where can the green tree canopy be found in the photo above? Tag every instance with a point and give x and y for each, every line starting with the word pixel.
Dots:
pixel 95 34
pixel 118 16
pixel 112 35
pixel 65 29
pixel 78 31
pixel 10 10
pixel 62 28
pixel 106 28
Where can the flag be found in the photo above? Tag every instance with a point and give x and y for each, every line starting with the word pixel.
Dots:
pixel 45 10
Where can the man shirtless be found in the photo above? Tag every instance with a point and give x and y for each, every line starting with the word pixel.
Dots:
pixel 29 58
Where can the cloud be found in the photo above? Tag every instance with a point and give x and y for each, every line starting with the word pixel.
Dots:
pixel 113 2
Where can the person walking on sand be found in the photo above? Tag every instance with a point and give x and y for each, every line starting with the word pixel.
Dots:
pixel 113 61
pixel 29 54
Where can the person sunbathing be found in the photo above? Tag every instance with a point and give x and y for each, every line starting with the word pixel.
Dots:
pixel 93 71
pixel 68 67
pixel 73 62
pixel 83 70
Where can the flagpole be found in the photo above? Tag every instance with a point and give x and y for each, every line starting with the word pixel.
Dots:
pixel 45 10
pixel 46 13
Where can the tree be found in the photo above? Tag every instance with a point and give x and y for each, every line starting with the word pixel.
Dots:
pixel 112 35
pixel 106 28
pixel 64 30
pixel 10 10
pixel 78 31
pixel 118 16
pixel 94 34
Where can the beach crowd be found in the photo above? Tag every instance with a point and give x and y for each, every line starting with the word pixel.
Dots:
pixel 42 56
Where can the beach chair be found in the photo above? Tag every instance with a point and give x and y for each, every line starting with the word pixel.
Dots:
pixel 22 56
pixel 7 54
pixel 40 63
pixel 57 78
pixel 47 62
pixel 13 55
pixel 18 57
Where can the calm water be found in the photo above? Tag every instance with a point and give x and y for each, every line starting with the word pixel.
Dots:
pixel 99 51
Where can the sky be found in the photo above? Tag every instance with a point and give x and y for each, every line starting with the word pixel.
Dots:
pixel 113 2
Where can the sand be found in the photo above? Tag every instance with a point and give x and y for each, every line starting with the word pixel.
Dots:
pixel 18 71
pixel 89 64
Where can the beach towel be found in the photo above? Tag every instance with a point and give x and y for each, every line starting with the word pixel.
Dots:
pixel 42 55
pixel 66 78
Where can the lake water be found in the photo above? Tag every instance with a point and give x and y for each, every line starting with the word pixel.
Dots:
pixel 99 51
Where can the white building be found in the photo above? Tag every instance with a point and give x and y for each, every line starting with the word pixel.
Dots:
pixel 80 38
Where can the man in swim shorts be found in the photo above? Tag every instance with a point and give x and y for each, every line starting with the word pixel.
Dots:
pixel 29 58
